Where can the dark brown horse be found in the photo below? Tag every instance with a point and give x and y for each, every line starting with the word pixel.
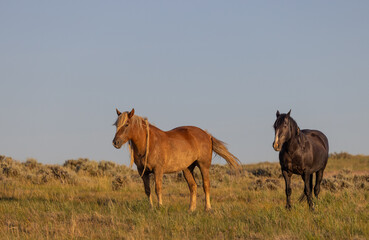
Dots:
pixel 302 152
pixel 159 152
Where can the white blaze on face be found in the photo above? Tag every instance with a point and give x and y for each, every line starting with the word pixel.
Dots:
pixel 276 136
pixel 121 121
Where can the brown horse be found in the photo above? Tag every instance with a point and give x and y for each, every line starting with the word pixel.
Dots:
pixel 159 152
pixel 303 152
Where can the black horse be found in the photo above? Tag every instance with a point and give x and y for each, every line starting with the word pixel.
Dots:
pixel 303 152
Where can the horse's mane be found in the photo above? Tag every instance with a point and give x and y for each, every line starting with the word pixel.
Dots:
pixel 135 120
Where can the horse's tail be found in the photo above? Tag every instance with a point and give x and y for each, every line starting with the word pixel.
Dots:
pixel 220 148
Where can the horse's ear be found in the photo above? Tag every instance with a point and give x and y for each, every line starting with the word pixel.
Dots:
pixel 277 114
pixel 131 113
pixel 288 114
pixel 118 113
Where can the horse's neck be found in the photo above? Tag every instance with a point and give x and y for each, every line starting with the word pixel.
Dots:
pixel 296 142
pixel 139 140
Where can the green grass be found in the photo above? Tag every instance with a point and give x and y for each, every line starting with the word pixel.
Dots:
pixel 244 207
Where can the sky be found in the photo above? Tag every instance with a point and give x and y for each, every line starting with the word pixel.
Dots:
pixel 224 66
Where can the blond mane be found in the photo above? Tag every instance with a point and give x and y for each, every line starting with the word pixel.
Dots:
pixel 135 120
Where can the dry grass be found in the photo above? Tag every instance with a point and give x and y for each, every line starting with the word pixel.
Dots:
pixel 89 200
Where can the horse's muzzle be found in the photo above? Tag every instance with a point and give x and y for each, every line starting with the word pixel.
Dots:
pixel 276 146
pixel 117 144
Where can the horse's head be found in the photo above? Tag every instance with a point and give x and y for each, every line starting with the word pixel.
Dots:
pixel 124 128
pixel 284 128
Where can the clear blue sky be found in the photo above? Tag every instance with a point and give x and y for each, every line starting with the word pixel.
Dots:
pixel 225 66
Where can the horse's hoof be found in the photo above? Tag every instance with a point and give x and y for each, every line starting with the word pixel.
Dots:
pixel 191 209
pixel 209 210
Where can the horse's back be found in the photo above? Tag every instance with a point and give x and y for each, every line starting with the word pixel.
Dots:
pixel 194 136
pixel 188 132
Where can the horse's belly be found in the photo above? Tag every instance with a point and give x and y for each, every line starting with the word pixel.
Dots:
pixel 176 164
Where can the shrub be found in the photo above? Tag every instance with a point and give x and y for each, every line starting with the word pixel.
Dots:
pixel 119 182
pixel 106 166
pixel 334 184
pixel 11 171
pixel 62 174
pixel 361 182
pixel 75 165
pixel 266 171
pixel 83 165
pixel 31 163
pixel 44 175
pixel 10 167
pixel 261 184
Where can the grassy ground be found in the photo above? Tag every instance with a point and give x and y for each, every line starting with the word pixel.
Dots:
pixel 77 201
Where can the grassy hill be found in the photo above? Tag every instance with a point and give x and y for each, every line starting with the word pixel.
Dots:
pixel 85 199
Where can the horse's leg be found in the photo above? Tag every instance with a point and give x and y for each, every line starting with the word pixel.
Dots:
pixel 303 195
pixel 318 181
pixel 188 174
pixel 287 179
pixel 206 184
pixel 311 184
pixel 158 185
pixel 146 181
pixel 306 178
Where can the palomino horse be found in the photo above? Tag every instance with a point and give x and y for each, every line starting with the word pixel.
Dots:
pixel 159 152
pixel 302 152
